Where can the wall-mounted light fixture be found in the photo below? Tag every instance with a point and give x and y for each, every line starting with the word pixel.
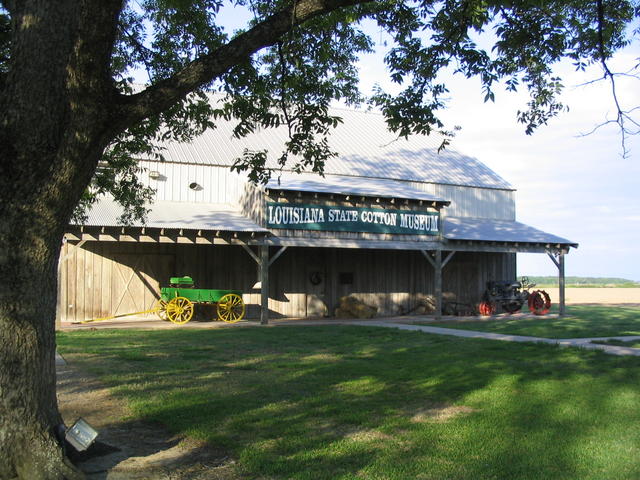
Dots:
pixel 154 174
pixel 195 186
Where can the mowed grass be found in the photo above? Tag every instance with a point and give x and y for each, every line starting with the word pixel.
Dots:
pixel 580 322
pixel 347 402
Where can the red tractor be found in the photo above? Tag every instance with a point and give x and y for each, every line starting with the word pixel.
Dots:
pixel 512 295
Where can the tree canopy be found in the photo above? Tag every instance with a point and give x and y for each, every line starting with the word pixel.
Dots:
pixel 291 76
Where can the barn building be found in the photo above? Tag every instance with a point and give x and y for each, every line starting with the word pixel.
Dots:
pixel 392 222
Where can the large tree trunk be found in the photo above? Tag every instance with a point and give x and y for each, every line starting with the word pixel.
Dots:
pixel 54 125
pixel 28 408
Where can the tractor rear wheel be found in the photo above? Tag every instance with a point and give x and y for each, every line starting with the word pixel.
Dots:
pixel 487 307
pixel 539 302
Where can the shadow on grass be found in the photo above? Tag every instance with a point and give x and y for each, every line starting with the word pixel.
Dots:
pixel 347 402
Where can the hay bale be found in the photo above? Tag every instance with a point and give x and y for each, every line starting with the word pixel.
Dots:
pixel 342 313
pixel 351 307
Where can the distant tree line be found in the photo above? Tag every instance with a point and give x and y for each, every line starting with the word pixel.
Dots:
pixel 586 281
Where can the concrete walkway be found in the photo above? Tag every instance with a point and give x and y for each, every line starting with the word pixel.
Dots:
pixel 564 342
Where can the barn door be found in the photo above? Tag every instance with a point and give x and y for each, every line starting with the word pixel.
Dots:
pixel 136 281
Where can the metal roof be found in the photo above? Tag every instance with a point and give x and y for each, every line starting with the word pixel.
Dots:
pixel 365 147
pixel 344 185
pixel 488 230
pixel 175 215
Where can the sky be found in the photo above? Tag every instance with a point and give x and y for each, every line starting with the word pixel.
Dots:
pixel 568 184
pixel 574 186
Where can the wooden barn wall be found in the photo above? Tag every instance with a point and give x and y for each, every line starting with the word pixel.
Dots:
pixel 477 202
pixel 219 184
pixel 465 277
pixel 108 278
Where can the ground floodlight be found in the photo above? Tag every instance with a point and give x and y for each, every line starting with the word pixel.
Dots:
pixel 81 435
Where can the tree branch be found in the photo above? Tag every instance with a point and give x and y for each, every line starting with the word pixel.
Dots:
pixel 621 115
pixel 9 5
pixel 203 70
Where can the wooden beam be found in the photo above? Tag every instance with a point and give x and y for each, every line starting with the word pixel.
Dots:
pixel 72 251
pixel 277 255
pixel 447 258
pixel 559 263
pixel 250 252
pixel 438 283
pixel 436 263
pixel 427 255
pixel 264 284
pixel 561 283
pixel 490 248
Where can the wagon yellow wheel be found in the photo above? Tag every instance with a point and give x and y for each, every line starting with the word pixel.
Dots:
pixel 179 310
pixel 161 309
pixel 231 308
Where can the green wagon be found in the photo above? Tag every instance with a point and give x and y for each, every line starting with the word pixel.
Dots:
pixel 176 302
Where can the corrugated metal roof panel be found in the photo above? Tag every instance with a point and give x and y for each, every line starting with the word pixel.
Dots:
pixel 488 230
pixel 175 215
pixel 344 185
pixel 365 149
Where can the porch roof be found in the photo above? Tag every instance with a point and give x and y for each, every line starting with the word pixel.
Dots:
pixel 176 215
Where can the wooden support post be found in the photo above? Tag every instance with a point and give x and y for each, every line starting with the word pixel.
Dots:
pixel 561 283
pixel 436 263
pixel 559 262
pixel 438 282
pixel 264 284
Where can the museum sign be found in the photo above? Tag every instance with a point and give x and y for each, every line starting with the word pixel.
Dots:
pixel 351 219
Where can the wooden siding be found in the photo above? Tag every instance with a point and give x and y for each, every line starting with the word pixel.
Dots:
pixel 477 202
pixel 221 185
pixel 98 279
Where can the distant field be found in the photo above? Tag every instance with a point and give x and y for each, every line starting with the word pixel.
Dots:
pixel 582 282
pixel 602 295
pixel 582 285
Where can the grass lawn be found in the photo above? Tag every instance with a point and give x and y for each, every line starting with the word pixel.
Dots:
pixel 347 402
pixel 581 321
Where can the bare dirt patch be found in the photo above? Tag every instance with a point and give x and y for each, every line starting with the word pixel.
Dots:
pixel 130 449
pixel 440 414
